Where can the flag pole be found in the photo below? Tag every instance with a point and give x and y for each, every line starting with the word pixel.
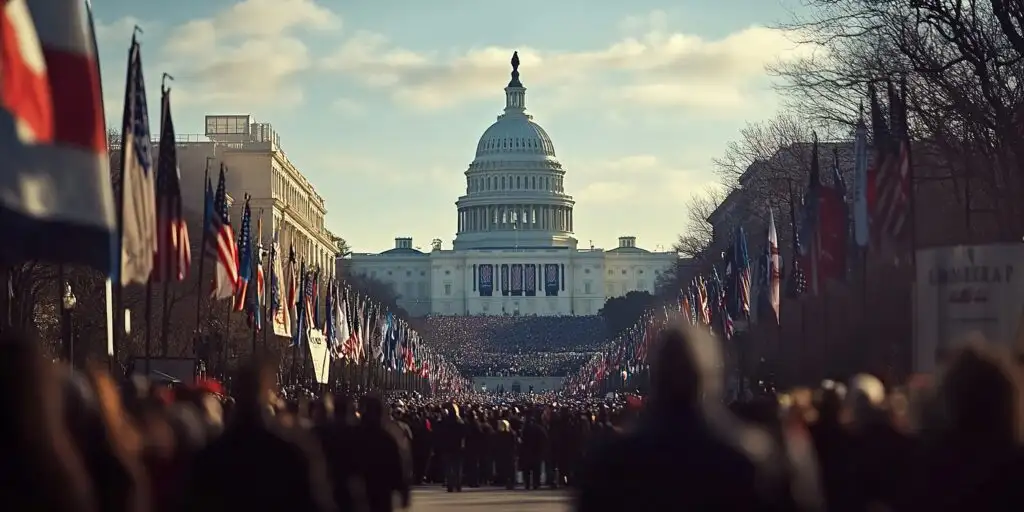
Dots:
pixel 165 307
pixel 268 321
pixel 202 263
pixel 118 287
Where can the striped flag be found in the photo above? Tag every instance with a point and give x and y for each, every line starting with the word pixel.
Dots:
pixel 173 254
pixel 797 285
pixel 774 274
pixel 244 257
pixel 254 305
pixel 55 176
pixel 138 186
pixel 220 240
pixel 741 273
pixel 892 173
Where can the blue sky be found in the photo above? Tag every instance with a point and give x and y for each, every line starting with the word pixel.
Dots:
pixel 381 102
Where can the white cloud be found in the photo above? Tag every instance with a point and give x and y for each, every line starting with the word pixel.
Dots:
pixel 120 30
pixel 651 66
pixel 248 55
pixel 642 180
pixel 349 107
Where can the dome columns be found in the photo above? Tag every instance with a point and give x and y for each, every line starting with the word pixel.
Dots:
pixel 510 217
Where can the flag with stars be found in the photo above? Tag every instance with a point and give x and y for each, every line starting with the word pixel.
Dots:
pixel 244 257
pixel 138 186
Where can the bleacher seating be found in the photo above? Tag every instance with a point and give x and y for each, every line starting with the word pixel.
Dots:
pixel 515 345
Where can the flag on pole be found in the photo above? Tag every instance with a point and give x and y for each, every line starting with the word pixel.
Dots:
pixel 55 184
pixel 254 304
pixel 774 266
pixel 280 311
pixel 138 187
pixel 244 257
pixel 861 232
pixel 741 273
pixel 173 254
pixel 301 318
pixel 220 240
pixel 797 285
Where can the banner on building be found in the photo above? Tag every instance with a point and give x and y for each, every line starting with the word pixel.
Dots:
pixel 320 356
pixel 530 276
pixel 504 279
pixel 964 293
pixel 486 280
pixel 517 279
pixel 551 279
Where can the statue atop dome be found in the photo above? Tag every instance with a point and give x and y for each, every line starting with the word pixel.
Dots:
pixel 515 71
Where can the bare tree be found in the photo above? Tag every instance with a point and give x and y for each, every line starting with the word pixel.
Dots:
pixel 700 233
pixel 962 62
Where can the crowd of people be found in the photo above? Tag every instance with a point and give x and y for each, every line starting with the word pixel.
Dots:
pixel 80 441
pixel 550 346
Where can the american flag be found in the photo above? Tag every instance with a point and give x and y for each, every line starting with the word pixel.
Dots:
pixel 797 285
pixel 742 273
pixel 138 191
pixel 258 292
pixel 244 257
pixel 220 240
pixel 720 304
pixel 892 170
pixel 173 253
pixel 293 280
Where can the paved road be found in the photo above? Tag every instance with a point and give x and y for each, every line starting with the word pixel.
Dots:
pixel 436 499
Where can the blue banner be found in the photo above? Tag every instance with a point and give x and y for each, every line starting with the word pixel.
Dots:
pixel 530 275
pixel 551 279
pixel 486 280
pixel 504 279
pixel 517 279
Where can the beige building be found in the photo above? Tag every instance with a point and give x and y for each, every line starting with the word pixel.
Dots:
pixel 256 164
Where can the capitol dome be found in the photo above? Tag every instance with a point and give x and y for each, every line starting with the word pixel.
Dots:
pixel 515 196
pixel 515 135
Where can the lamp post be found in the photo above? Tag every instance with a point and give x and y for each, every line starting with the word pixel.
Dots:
pixel 68 330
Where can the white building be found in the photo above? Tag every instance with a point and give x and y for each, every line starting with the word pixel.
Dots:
pixel 514 251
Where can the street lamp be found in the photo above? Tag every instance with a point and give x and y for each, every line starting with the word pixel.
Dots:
pixel 69 301
pixel 127 321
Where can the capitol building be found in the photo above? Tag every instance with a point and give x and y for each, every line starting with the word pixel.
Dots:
pixel 514 252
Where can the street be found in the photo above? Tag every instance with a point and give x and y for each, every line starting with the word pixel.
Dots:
pixel 436 499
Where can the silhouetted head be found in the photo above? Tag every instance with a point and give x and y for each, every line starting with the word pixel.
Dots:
pixel 685 368
pixel 254 384
pixel 372 406
pixel 866 400
pixel 979 396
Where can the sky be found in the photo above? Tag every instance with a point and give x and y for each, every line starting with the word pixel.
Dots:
pixel 381 103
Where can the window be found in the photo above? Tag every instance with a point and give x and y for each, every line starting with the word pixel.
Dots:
pixel 503 183
pixel 518 183
pixel 447 289
pixel 534 183
pixel 586 288
pixel 623 271
pixel 421 288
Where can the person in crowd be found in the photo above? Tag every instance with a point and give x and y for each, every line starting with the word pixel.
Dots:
pixel 256 464
pixel 384 455
pixel 506 445
pixel 689 453
pixel 452 447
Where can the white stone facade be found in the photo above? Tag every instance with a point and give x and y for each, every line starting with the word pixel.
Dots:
pixel 514 252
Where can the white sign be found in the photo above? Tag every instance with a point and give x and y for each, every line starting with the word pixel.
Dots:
pixel 320 355
pixel 967 292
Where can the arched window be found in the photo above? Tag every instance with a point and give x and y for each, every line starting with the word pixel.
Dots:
pixel 518 184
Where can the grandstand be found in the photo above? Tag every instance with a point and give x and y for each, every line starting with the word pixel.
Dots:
pixel 515 345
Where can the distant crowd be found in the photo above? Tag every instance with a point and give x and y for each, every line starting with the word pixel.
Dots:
pixel 516 345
